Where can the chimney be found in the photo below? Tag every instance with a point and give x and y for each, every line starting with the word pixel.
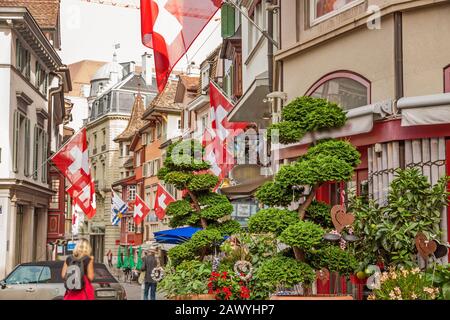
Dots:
pixel 147 68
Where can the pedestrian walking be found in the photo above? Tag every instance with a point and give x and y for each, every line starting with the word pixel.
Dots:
pixel 109 255
pixel 78 273
pixel 149 263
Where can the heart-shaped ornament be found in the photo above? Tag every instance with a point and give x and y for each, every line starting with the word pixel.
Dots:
pixel 341 218
pixel 323 275
pixel 424 246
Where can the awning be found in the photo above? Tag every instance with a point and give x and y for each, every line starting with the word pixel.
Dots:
pixel 175 236
pixel 251 107
pixel 425 110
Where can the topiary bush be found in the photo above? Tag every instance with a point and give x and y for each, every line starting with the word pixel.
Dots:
pixel 304 235
pixel 271 220
pixel 319 213
pixel 334 259
pixel 184 167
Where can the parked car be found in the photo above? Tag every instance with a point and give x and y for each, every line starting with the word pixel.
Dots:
pixel 43 281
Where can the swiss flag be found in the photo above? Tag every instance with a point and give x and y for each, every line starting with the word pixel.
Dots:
pixel 83 195
pixel 72 159
pixel 169 27
pixel 141 210
pixel 73 162
pixel 162 200
pixel 218 142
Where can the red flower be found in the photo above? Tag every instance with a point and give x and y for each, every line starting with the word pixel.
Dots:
pixel 245 292
pixel 224 275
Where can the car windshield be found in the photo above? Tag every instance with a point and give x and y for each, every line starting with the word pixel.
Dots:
pixel 24 275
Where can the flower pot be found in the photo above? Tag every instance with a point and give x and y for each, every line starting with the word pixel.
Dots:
pixel 313 297
pixel 195 297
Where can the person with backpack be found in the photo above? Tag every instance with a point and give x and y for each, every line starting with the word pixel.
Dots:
pixel 78 273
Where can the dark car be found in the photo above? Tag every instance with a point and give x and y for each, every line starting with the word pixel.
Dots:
pixel 43 281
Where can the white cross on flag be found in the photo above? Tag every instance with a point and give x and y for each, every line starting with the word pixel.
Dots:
pixel 218 152
pixel 169 27
pixel 141 210
pixel 73 162
pixel 162 200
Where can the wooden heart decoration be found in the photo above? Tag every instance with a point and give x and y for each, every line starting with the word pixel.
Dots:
pixel 341 218
pixel 424 246
pixel 441 250
pixel 323 275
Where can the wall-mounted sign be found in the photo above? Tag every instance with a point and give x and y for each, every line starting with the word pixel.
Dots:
pixel 71 245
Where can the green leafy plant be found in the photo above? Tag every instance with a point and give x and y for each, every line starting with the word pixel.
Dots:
pixel 388 232
pixel 189 277
pixel 319 213
pixel 404 284
pixel 185 169
pixel 283 271
pixel 304 235
pixel 334 259
pixel 227 286
pixel 439 276
pixel 271 220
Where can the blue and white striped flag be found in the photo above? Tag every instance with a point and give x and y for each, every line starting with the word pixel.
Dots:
pixel 118 208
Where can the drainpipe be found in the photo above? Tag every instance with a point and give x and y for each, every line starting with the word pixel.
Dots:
pixel 269 44
pixel 51 93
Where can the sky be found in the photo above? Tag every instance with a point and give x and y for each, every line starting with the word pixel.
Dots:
pixel 89 31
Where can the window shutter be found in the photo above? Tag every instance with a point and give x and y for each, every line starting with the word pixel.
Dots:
pixel 26 162
pixel 144 170
pixel 228 23
pixel 16 128
pixel 35 152
pixel 44 157
pixel 151 169
pixel 144 139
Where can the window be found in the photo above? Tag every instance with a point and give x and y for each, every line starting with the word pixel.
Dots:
pixel 204 123
pixel 95 143
pixel 21 143
pixel 205 76
pixel 345 88
pixel 37 142
pixel 23 60
pixel 131 193
pixel 138 158
pixel 151 135
pixel 151 168
pixel 131 226
pixel 144 138
pixel 179 124
pixel 324 9
pixel 158 130
pixel 54 203
pixel 156 166
pixel 447 79
pixel 104 137
pixel 24 275
pixel 41 79
pixel 94 172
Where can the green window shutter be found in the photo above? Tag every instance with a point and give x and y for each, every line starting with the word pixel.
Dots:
pixel 16 128
pixel 228 23
pixel 44 157
pixel 35 152
pixel 26 154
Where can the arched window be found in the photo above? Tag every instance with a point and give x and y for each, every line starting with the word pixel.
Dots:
pixel 345 88
pixel 447 79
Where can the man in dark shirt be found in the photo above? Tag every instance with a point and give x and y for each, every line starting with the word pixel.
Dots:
pixel 149 263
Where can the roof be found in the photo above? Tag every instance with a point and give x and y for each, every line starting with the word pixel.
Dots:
pixel 45 12
pixel 135 122
pixel 105 71
pixel 213 60
pixel 81 73
pixel 164 101
pixel 190 83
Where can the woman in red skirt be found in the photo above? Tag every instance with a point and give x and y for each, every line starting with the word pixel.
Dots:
pixel 79 264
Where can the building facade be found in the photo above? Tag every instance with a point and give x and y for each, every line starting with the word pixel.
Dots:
pixel 33 81
pixel 112 94
pixel 385 63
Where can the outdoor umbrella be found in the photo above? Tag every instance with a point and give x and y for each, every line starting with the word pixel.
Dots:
pixel 139 259
pixel 126 260
pixel 131 257
pixel 175 236
pixel 119 259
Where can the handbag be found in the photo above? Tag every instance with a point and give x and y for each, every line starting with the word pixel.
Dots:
pixel 141 278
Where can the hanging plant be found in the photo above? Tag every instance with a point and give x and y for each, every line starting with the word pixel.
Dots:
pixel 157 274
pixel 244 270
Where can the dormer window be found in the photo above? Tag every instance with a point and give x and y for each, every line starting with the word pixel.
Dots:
pixel 321 10
pixel 205 76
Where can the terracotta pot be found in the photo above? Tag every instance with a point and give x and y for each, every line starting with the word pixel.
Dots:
pixel 313 297
pixel 195 297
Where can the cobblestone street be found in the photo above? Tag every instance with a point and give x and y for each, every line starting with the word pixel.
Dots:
pixel 135 292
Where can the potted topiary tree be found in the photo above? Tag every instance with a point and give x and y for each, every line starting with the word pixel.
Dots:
pixel 325 161
pixel 185 168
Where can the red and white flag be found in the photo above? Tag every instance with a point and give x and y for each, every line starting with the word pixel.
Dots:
pixel 73 162
pixel 169 27
pixel 162 200
pixel 219 143
pixel 141 210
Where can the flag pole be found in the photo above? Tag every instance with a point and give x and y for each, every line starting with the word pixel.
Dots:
pixel 265 33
